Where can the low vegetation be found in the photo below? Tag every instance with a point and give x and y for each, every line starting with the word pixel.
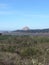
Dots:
pixel 24 50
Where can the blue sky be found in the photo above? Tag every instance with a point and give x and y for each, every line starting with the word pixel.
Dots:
pixel 15 14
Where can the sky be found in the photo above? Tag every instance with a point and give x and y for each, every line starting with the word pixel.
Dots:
pixel 16 14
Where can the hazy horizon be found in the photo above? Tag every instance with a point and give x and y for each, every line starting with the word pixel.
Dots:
pixel 16 14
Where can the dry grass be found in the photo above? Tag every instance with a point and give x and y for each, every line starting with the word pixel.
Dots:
pixel 21 50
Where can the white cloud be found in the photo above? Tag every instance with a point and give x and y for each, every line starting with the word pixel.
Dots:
pixel 21 13
pixel 41 16
pixel 8 12
pixel 3 5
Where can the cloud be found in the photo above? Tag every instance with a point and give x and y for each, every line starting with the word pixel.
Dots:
pixel 41 16
pixel 21 13
pixel 9 12
pixel 3 5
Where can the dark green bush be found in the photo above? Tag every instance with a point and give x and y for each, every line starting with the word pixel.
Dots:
pixel 30 52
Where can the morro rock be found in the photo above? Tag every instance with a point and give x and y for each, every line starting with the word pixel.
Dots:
pixel 25 28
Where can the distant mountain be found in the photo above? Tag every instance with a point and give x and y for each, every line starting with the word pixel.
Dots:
pixel 33 31
pixel 27 31
pixel 3 31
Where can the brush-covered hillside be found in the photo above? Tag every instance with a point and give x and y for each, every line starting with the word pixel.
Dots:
pixel 24 50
